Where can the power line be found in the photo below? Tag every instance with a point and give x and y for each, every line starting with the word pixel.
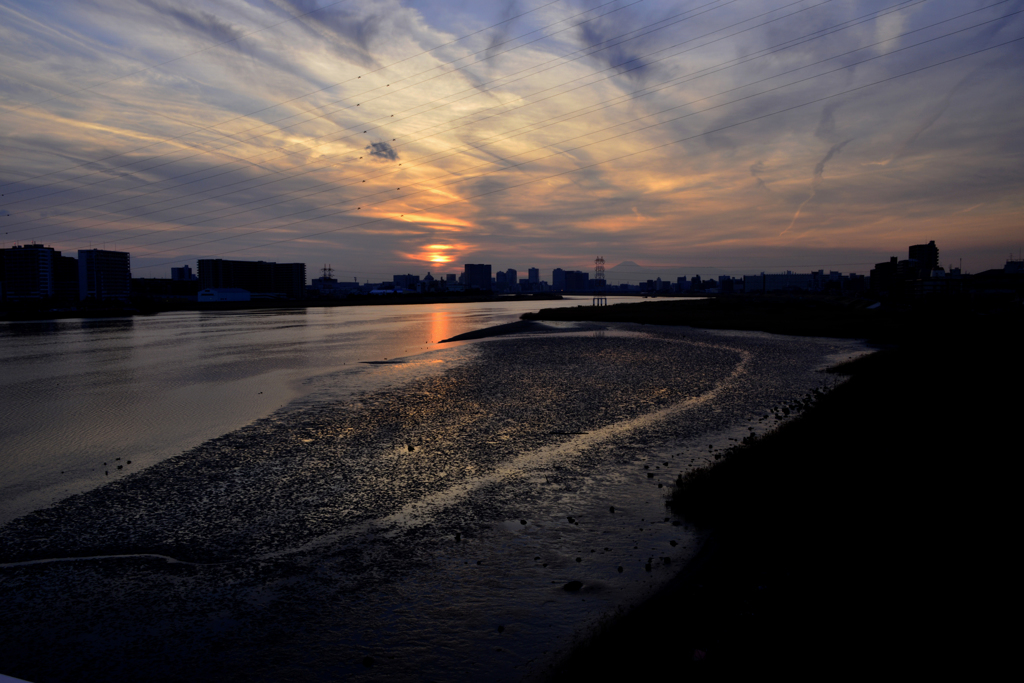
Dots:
pixel 590 133
pixel 610 138
pixel 175 59
pixel 472 91
pixel 630 154
pixel 612 70
pixel 559 152
pixel 308 94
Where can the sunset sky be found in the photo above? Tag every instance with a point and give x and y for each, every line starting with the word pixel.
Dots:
pixel 702 137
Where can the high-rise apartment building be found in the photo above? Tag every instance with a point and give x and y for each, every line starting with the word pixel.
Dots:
pixel 558 280
pixel 478 275
pixel 34 272
pixel 104 274
pixel 408 281
pixel 183 274
pixel 257 277
pixel 926 255
pixel 577 281
pixel 27 272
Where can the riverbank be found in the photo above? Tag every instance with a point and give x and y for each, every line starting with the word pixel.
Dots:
pixel 868 533
pixel 799 315
pixel 460 525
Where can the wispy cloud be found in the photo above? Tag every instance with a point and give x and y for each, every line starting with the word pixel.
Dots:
pixel 283 130
pixel 933 116
pixel 816 180
pixel 205 23
pixel 607 43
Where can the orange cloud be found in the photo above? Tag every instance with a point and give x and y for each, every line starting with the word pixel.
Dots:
pixel 437 222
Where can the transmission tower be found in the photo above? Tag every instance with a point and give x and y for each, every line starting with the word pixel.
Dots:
pixel 327 272
pixel 599 268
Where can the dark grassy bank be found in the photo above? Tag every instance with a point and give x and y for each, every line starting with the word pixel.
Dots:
pixel 807 315
pixel 874 532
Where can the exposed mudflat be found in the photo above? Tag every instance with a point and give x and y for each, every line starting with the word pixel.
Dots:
pixel 426 532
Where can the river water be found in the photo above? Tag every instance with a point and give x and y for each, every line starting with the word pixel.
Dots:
pixel 80 393
pixel 327 493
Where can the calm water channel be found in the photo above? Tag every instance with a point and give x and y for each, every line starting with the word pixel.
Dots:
pixel 327 494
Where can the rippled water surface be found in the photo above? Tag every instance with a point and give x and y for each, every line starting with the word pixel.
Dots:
pixel 419 528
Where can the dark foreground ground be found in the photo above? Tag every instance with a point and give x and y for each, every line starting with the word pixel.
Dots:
pixel 872 534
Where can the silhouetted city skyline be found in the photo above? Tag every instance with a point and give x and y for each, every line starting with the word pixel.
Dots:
pixel 36 273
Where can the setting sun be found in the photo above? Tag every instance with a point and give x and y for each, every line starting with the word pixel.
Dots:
pixel 438 254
